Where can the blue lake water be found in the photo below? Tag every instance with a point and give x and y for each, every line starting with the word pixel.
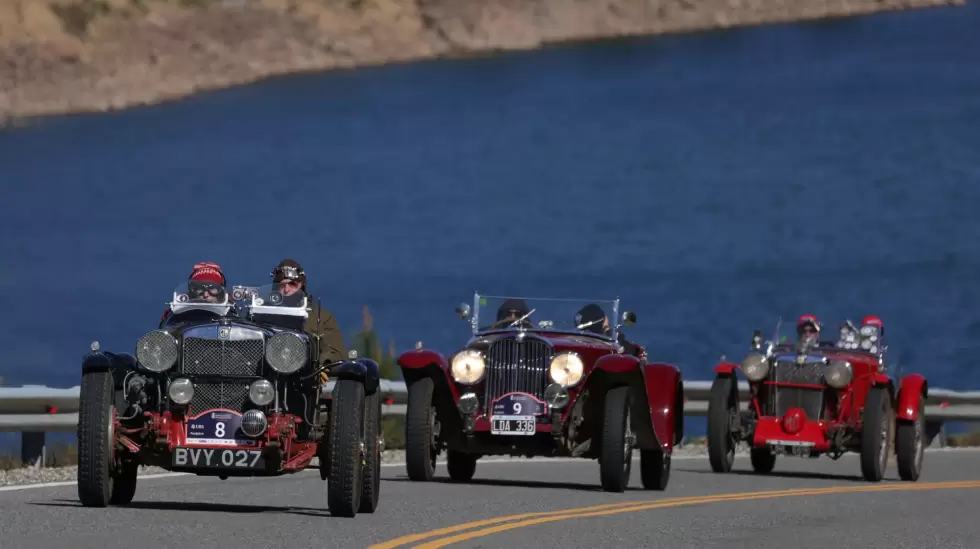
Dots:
pixel 713 181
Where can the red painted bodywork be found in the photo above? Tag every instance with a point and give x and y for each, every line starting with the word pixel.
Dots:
pixel 844 406
pixel 914 388
pixel 162 432
pixel 660 382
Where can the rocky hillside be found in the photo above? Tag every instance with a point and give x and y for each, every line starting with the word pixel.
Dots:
pixel 82 55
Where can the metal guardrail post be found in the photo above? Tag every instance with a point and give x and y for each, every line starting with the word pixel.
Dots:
pixel 32 449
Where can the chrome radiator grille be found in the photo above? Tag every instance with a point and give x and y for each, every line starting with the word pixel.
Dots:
pixel 517 366
pixel 787 371
pixel 218 394
pixel 215 357
pixel 810 400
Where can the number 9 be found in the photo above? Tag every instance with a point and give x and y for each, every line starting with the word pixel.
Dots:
pixel 517 407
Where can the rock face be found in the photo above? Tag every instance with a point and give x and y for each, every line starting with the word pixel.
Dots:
pixel 59 56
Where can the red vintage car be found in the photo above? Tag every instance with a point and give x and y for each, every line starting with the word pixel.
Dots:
pixel 543 377
pixel 810 397
pixel 229 389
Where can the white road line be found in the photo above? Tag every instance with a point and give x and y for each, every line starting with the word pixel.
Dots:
pixel 481 461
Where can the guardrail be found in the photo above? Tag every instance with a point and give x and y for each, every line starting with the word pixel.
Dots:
pixel 34 410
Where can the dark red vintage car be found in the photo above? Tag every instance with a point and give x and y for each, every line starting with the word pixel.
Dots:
pixel 810 397
pixel 543 377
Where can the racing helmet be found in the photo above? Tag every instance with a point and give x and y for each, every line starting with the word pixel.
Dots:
pixel 291 269
pixel 590 318
pixel 807 327
pixel 512 308
pixel 872 320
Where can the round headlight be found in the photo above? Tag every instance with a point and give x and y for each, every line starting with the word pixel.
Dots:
pixel 181 390
pixel 838 374
pixel 261 392
pixel 157 351
pixel 567 369
pixel 468 366
pixel 286 352
pixel 755 367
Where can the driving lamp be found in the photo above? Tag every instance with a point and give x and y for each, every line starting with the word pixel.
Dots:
pixel 468 366
pixel 838 374
pixel 261 392
pixel 566 369
pixel 181 390
pixel 157 351
pixel 755 367
pixel 286 352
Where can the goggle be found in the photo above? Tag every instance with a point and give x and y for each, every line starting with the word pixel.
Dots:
pixel 286 271
pixel 198 289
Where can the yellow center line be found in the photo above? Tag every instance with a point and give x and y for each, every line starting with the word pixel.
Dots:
pixel 531 519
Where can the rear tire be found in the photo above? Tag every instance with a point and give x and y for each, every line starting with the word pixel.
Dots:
pixel 722 408
pixel 96 439
pixel 879 421
pixel 763 459
pixel 371 482
pixel 616 457
pixel 654 469
pixel 910 445
pixel 420 450
pixel 460 465
pixel 344 482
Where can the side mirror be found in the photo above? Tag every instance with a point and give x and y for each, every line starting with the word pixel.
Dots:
pixel 757 339
pixel 629 318
pixel 463 311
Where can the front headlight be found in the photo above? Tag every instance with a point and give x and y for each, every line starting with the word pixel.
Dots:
pixel 567 369
pixel 286 352
pixel 755 366
pixel 838 374
pixel 157 351
pixel 468 366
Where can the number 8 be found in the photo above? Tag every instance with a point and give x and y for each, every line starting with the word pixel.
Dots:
pixel 517 407
pixel 219 430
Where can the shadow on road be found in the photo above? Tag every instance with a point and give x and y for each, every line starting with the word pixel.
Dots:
pixel 513 483
pixel 780 474
pixel 198 506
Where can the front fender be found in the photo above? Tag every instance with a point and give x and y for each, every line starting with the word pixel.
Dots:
pixel 879 379
pixel 117 364
pixel 913 390
pixel 665 396
pixel 419 364
pixel 617 364
pixel 364 370
pixel 726 369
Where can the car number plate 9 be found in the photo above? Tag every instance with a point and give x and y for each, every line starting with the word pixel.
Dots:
pixel 217 458
pixel 512 425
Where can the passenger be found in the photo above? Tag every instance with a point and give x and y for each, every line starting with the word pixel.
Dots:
pixel 593 319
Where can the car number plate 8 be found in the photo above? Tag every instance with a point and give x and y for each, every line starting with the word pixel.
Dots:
pixel 217 458
pixel 512 425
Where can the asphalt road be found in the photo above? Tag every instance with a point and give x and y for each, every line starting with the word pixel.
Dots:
pixel 832 506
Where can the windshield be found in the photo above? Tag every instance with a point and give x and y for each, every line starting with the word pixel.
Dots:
pixel 277 299
pixel 200 296
pixel 847 336
pixel 593 317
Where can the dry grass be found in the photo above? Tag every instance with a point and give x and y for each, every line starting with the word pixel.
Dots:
pixel 58 455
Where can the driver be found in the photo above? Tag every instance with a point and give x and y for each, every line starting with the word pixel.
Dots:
pixel 511 310
pixel 290 277
pixel 808 330
pixel 593 319
pixel 205 283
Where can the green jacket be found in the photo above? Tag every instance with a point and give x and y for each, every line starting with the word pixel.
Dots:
pixel 332 346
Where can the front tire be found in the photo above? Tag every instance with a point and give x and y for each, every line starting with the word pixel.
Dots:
pixel 910 445
pixel 763 459
pixel 616 457
pixel 420 448
pixel 371 483
pixel 344 482
pixel 654 469
pixel 722 409
pixel 124 483
pixel 879 420
pixel 96 439
pixel 460 465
